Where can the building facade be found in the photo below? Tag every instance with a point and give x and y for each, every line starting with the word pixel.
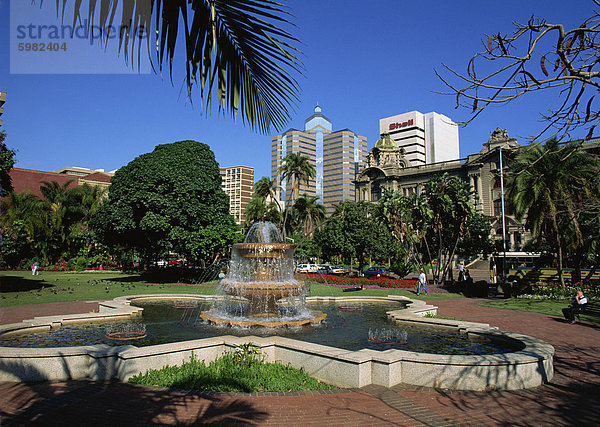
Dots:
pixel 2 101
pixel 425 138
pixel 30 179
pixel 238 183
pixel 388 167
pixel 337 156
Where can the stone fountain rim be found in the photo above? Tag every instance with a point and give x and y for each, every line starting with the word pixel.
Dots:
pixel 529 367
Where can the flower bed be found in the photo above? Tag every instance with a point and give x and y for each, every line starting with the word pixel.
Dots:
pixel 375 283
pixel 556 291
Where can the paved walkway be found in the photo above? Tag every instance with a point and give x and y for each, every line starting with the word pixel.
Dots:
pixel 571 398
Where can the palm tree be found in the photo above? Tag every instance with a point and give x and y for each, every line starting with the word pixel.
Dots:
pixel 267 189
pixel 254 210
pixel 545 186
pixel 310 213
pixel 237 45
pixel 295 167
pixel 31 212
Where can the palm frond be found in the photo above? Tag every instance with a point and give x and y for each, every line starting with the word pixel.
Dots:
pixel 239 46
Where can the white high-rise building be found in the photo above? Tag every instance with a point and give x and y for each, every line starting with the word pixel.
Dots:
pixel 425 138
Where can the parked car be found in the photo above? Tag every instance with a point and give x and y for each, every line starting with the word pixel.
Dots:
pixel 324 269
pixel 376 272
pixel 339 270
pixel 307 268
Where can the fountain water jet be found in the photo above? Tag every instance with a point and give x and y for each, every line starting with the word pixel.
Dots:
pixel 260 289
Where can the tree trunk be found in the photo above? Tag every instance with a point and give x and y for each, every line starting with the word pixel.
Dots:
pixel 560 256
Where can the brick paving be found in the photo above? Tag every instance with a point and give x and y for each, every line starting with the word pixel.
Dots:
pixel 571 398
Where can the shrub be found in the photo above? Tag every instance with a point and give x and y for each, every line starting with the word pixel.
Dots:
pixel 241 370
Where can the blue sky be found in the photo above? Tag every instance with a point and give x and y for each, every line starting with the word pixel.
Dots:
pixel 363 61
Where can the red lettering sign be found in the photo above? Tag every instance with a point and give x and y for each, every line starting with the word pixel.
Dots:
pixel 401 125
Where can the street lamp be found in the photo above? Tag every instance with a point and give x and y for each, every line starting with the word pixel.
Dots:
pixel 503 216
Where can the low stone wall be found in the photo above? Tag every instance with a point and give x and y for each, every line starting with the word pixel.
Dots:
pixel 529 367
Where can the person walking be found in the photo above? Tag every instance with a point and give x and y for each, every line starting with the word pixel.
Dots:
pixel 34 268
pixel 422 282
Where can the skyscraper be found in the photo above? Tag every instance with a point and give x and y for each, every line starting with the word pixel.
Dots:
pixel 336 155
pixel 425 138
pixel 238 183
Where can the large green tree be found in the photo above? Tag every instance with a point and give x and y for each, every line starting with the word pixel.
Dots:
pixel 431 224
pixel 551 187
pixel 355 231
pixel 168 200
pixel 240 47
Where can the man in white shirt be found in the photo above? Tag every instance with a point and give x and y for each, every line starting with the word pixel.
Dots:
pixel 578 305
pixel 422 283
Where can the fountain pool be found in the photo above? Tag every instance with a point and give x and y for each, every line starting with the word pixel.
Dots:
pixel 367 326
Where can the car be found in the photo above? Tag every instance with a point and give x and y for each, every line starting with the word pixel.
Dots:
pixel 339 270
pixel 307 268
pixel 324 269
pixel 376 272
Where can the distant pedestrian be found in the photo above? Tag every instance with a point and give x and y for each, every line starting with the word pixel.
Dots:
pixel 34 268
pixel 422 283
pixel 221 275
pixel 461 271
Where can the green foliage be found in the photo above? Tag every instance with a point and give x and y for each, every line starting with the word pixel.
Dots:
pixel 242 370
pixel 55 227
pixel 556 189
pixel 7 161
pixel 430 224
pixel 355 231
pixel 169 200
pixel 476 237
pixel 240 47
pixel 308 214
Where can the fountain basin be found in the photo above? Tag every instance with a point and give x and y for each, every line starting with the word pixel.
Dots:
pixel 529 367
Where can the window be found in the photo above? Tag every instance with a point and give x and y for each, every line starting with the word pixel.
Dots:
pixel 497 207
pixel 375 191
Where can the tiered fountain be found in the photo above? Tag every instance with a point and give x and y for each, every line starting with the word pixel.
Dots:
pixel 260 289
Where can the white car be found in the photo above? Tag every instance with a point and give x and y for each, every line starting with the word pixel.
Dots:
pixel 307 268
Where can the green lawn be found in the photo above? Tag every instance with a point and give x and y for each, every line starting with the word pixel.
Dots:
pixel 549 307
pixel 20 288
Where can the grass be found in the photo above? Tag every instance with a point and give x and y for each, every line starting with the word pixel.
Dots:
pixel 542 306
pixel 21 288
pixel 319 289
pixel 242 370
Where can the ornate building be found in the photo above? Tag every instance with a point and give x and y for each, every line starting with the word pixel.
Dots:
pixel 388 168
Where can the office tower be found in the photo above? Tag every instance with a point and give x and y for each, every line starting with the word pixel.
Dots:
pixel 336 155
pixel 425 138
pixel 238 183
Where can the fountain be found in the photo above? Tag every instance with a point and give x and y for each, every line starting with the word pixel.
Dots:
pixel 260 290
